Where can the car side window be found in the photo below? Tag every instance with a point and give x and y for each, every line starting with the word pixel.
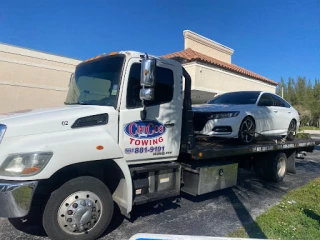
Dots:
pixel 265 100
pixel 163 90
pixel 279 102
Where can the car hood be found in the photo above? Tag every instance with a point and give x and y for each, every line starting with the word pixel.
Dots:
pixel 44 120
pixel 220 107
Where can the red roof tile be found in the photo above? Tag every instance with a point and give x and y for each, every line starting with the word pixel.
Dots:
pixel 190 55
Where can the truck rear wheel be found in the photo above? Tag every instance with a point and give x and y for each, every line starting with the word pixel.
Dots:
pixel 273 167
pixel 81 208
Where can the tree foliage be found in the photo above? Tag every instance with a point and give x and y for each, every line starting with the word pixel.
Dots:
pixel 304 95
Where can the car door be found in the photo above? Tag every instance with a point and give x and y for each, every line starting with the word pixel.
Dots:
pixel 265 115
pixel 283 114
pixel 158 137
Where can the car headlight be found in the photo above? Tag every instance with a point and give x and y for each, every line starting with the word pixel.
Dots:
pixel 3 129
pixel 224 115
pixel 25 164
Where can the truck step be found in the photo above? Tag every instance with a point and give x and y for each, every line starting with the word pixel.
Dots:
pixel 154 167
pixel 155 196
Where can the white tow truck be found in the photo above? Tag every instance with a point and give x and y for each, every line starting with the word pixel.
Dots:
pixel 125 136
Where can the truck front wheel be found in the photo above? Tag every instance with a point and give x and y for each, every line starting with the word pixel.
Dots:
pixel 81 208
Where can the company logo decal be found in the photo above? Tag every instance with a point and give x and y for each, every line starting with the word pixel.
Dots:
pixel 145 129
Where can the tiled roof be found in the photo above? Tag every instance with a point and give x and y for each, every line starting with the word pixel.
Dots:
pixel 190 55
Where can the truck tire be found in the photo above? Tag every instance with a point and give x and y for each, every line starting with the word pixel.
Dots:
pixel 275 167
pixel 80 209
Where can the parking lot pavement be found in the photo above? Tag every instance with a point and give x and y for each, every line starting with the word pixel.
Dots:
pixel 315 134
pixel 212 215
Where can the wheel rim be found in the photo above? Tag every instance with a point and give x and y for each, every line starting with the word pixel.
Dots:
pixel 79 213
pixel 247 130
pixel 292 129
pixel 281 167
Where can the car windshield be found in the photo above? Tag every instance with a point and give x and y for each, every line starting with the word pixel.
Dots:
pixel 236 98
pixel 96 82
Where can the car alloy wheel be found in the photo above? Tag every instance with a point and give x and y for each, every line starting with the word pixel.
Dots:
pixel 247 130
pixel 292 129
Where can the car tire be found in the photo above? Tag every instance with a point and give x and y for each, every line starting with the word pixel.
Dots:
pixel 246 136
pixel 80 209
pixel 292 130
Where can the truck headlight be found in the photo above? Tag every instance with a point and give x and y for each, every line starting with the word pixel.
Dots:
pixel 3 129
pixel 25 164
pixel 223 115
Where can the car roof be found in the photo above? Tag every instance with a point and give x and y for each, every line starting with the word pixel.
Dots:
pixel 244 92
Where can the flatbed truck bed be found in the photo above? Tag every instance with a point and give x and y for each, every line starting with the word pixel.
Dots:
pixel 221 149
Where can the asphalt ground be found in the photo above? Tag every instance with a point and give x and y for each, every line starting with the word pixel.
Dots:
pixel 214 214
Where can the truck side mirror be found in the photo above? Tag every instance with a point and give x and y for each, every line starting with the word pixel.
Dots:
pixel 147 94
pixel 148 69
pixel 147 82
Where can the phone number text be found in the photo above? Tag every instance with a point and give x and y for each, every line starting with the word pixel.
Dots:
pixel 139 150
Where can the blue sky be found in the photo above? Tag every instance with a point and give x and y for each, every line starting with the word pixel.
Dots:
pixel 272 38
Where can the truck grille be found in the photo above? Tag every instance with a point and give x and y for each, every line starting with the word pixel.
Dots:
pixel 199 120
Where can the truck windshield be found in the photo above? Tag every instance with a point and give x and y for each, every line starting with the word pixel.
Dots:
pixel 96 82
pixel 236 98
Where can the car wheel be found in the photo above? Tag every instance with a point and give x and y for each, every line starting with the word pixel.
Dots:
pixel 292 130
pixel 247 130
pixel 80 209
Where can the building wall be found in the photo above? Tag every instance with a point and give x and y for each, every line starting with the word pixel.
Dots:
pixel 213 79
pixel 192 70
pixel 32 79
pixel 207 46
pixel 207 81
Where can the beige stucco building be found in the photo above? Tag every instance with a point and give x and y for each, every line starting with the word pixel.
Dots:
pixel 210 66
pixel 33 79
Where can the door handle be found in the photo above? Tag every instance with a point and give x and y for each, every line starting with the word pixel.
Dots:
pixel 169 125
pixel 289 112
pixel 275 111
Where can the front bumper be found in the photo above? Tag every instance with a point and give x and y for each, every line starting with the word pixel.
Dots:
pixel 225 127
pixel 16 198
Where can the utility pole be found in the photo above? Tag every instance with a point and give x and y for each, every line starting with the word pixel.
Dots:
pixel 282 92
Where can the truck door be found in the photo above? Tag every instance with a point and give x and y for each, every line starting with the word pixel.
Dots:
pixel 158 137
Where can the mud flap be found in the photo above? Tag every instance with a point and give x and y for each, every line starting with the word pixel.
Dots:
pixel 291 162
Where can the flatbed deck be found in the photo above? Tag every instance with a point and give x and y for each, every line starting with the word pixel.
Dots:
pixel 218 149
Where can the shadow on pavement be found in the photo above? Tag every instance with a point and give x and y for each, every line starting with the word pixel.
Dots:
pixel 252 228
pixel 309 165
pixel 152 209
pixel 116 221
pixel 312 214
pixel 31 224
